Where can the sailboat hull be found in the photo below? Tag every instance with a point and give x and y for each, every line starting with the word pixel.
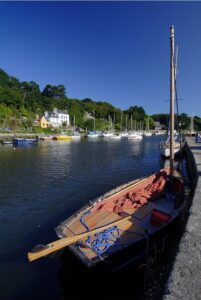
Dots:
pixel 165 148
pixel 165 152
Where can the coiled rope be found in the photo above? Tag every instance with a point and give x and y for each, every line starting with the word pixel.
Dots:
pixel 105 239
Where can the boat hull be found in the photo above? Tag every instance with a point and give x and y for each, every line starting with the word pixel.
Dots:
pixel 62 138
pixel 6 142
pixel 165 152
pixel 165 149
pixel 24 142
pixel 137 228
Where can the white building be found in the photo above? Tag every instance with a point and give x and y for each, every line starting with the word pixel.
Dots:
pixel 57 117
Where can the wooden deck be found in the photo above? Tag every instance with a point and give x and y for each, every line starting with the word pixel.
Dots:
pixel 128 231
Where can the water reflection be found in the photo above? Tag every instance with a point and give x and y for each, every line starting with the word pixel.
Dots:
pixel 42 185
pixel 78 282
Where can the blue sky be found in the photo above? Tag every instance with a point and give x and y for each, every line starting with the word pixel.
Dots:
pixel 108 51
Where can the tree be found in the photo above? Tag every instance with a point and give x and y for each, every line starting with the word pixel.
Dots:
pixel 54 91
pixel 184 121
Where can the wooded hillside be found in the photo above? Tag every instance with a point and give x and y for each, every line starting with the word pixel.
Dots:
pixel 22 101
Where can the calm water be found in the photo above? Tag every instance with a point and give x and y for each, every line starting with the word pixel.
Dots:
pixel 42 185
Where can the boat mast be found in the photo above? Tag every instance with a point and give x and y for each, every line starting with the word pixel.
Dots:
pixel 73 123
pixel 94 121
pixel 121 120
pixel 172 97
pixel 192 125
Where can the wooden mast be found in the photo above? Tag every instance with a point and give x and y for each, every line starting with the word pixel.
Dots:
pixel 172 97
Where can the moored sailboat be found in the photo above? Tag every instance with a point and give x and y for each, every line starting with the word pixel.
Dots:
pixel 176 138
pixel 147 132
pixel 93 134
pixel 165 146
pixel 124 217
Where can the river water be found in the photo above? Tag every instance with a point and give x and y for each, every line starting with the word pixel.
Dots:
pixel 42 185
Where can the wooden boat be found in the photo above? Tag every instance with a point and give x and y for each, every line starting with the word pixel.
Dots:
pixel 125 217
pixel 24 142
pixel 119 219
pixel 62 137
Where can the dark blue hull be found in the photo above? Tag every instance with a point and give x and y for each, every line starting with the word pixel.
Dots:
pixel 24 142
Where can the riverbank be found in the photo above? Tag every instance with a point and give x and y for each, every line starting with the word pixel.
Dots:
pixel 184 280
pixel 9 136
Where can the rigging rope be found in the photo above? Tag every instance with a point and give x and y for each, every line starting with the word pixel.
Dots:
pixel 105 239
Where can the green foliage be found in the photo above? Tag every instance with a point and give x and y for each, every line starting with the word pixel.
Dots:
pixel 162 118
pixel 197 123
pixel 54 91
pixel 184 121
pixel 39 130
pixel 5 115
pixel 20 102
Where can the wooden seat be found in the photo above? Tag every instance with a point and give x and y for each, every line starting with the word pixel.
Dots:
pixel 128 231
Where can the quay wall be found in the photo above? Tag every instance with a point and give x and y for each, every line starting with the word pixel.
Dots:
pixel 185 278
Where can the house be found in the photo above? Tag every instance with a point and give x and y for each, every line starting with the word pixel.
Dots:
pixel 44 123
pixel 57 117
pixel 158 126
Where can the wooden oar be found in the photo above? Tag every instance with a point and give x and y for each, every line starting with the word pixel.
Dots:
pixel 61 243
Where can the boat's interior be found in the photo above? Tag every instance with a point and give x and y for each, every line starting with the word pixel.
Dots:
pixel 150 203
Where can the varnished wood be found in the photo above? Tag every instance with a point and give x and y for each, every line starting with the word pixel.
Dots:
pixel 93 220
pixel 60 244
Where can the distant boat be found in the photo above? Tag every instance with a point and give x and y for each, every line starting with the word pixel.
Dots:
pixel 147 132
pixel 107 134
pixel 24 142
pixel 158 132
pixel 124 134
pixel 62 137
pixel 7 142
pixel 93 134
pixel 135 136
pixel 75 135
pixel 115 137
